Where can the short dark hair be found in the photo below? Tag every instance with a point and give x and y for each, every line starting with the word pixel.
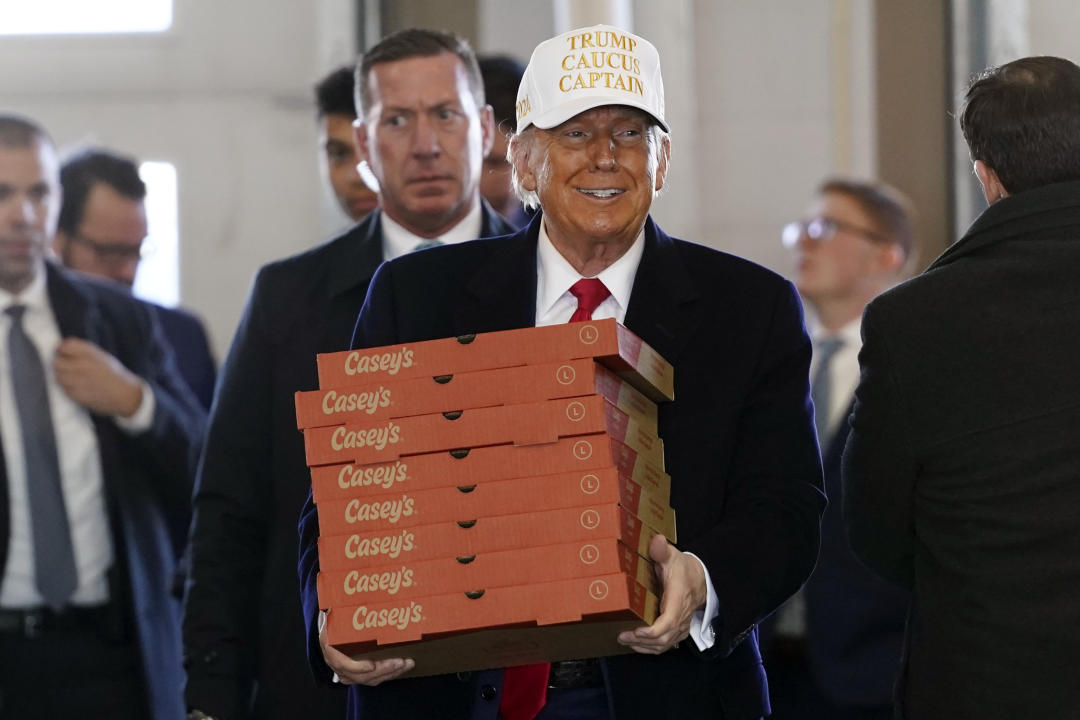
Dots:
pixel 417 42
pixel 1023 120
pixel 81 171
pixel 17 131
pixel 888 208
pixel 334 93
pixel 502 76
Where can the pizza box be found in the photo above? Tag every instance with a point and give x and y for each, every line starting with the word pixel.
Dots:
pixel 607 341
pixel 404 397
pixel 525 424
pixel 466 466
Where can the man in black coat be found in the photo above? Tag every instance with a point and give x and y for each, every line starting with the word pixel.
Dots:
pixel 98 441
pixel 739 443
pixel 960 474
pixel 833 650
pixel 425 131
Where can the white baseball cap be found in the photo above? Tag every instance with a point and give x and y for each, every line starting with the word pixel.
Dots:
pixel 587 68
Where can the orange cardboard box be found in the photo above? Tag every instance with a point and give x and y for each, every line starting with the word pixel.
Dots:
pixel 605 340
pixel 526 424
pixel 488 534
pixel 354 629
pixel 396 398
pixel 503 568
pixel 497 497
pixel 595 636
pixel 498 462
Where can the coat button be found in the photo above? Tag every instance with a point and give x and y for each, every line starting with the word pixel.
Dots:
pixel 464 676
pixel 488 692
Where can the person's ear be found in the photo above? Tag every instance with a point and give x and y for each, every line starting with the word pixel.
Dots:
pixel 993 190
pixel 487 128
pixel 520 152
pixel 360 135
pixel 60 243
pixel 662 163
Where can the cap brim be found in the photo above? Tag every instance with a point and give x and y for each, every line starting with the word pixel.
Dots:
pixel 567 110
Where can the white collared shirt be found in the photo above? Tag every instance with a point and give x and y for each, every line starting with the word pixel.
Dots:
pixel 555 304
pixel 398 241
pixel 80 467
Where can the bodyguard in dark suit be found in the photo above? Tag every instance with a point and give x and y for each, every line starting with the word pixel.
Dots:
pixel 99 438
pixel 739 443
pixel 833 650
pixel 101 231
pixel 243 633
pixel 960 474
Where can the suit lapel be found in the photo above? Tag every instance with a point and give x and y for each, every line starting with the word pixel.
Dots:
pixel 359 259
pixel 75 311
pixel 663 310
pixel 502 292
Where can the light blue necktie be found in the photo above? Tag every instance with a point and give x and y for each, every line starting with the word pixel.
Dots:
pixel 54 557
pixel 821 387
pixel 426 244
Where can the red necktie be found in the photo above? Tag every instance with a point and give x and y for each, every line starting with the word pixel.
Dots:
pixel 524 691
pixel 525 686
pixel 590 292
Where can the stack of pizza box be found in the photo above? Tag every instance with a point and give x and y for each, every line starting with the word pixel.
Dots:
pixel 489 500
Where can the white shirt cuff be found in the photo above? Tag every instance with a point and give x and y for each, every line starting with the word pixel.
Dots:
pixel 144 415
pixel 321 627
pixel 701 629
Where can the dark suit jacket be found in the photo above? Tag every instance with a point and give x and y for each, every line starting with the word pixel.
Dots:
pixel 961 470
pixel 243 635
pixel 855 620
pixel 187 338
pixel 739 445
pixel 147 477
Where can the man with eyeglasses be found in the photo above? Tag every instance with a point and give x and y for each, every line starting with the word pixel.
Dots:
pixel 832 651
pixel 102 231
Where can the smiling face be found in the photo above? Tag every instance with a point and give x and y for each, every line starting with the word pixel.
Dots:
pixel 425 138
pixel 596 175
pixel 29 204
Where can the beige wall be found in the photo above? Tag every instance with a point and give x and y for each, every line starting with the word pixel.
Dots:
pixel 765 99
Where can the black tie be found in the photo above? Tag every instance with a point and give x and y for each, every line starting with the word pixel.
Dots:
pixel 54 557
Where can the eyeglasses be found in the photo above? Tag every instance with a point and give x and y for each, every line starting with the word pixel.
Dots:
pixel 822 229
pixel 114 253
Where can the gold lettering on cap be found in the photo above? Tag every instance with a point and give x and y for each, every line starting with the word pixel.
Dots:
pixel 612 66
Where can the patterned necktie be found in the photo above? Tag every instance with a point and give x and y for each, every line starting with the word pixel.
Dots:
pixel 821 388
pixel 590 292
pixel 54 557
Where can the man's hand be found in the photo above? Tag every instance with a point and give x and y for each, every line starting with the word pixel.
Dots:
pixel 95 379
pixel 684 593
pixel 362 672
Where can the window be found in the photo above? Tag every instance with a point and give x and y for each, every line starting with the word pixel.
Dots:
pixel 158 278
pixel 66 17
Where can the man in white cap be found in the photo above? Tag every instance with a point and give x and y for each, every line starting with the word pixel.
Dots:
pixel 591 150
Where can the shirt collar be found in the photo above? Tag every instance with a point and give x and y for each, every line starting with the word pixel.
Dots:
pixel 34 296
pixel 398 241
pixel 556 274
pixel 850 334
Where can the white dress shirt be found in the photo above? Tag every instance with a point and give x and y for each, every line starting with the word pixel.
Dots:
pixel 555 304
pixel 80 464
pixel 398 241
